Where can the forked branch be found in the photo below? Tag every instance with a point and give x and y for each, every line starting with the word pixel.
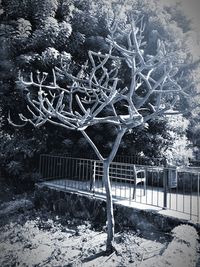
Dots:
pixel 95 89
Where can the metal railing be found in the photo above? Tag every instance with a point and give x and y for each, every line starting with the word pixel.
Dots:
pixel 133 159
pixel 158 186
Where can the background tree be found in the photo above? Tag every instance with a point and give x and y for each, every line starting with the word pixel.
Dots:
pixel 40 36
pixel 193 131
pixel 98 95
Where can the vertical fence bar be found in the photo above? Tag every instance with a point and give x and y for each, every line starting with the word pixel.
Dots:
pixel 184 193
pixel 157 184
pixel 63 171
pixel 60 172
pixel 69 169
pixel 55 167
pixel 170 194
pixel 59 169
pixel 77 163
pixel 129 183
pixel 51 176
pixel 128 178
pixel 78 181
pixel 65 183
pixel 121 185
pixel 75 167
pixel 94 177
pixel 87 175
pixel 165 188
pixel 84 168
pixel 115 184
pixel 125 175
pixel 44 167
pixel 47 167
pixel 84 175
pixel 40 166
pixel 134 179
pixel 191 198
pixel 152 181
pixel 101 182
pixel 198 197
pixel 177 192
pixel 160 179
pixel 51 168
pixel 98 176
pixel 91 175
pixel 146 183
pixel 70 172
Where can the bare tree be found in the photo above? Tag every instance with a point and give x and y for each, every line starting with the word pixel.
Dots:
pixel 94 94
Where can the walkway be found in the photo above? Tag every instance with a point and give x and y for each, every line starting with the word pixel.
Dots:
pixel 182 206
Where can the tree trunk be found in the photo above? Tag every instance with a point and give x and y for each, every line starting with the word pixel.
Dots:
pixel 109 203
pixel 106 180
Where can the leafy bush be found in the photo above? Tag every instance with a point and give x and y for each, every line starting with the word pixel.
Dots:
pixel 19 159
pixel 14 168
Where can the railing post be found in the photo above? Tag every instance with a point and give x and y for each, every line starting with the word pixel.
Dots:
pixel 145 181
pixel 92 184
pixel 165 176
pixel 198 195
pixel 135 177
pixel 40 164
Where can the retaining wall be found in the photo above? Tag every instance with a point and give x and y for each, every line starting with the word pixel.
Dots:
pixel 91 208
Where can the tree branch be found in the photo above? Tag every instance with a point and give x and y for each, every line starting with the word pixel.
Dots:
pixel 93 145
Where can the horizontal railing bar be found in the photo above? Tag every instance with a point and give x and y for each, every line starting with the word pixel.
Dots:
pixel 98 161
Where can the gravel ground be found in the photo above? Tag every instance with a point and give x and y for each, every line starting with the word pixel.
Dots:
pixel 34 238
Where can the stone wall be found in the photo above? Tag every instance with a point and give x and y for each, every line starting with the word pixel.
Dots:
pixel 91 208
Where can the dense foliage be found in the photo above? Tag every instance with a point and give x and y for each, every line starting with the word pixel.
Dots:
pixel 40 35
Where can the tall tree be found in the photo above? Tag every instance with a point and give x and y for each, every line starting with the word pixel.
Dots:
pixel 95 94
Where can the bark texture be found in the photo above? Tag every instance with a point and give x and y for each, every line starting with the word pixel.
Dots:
pixel 109 204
